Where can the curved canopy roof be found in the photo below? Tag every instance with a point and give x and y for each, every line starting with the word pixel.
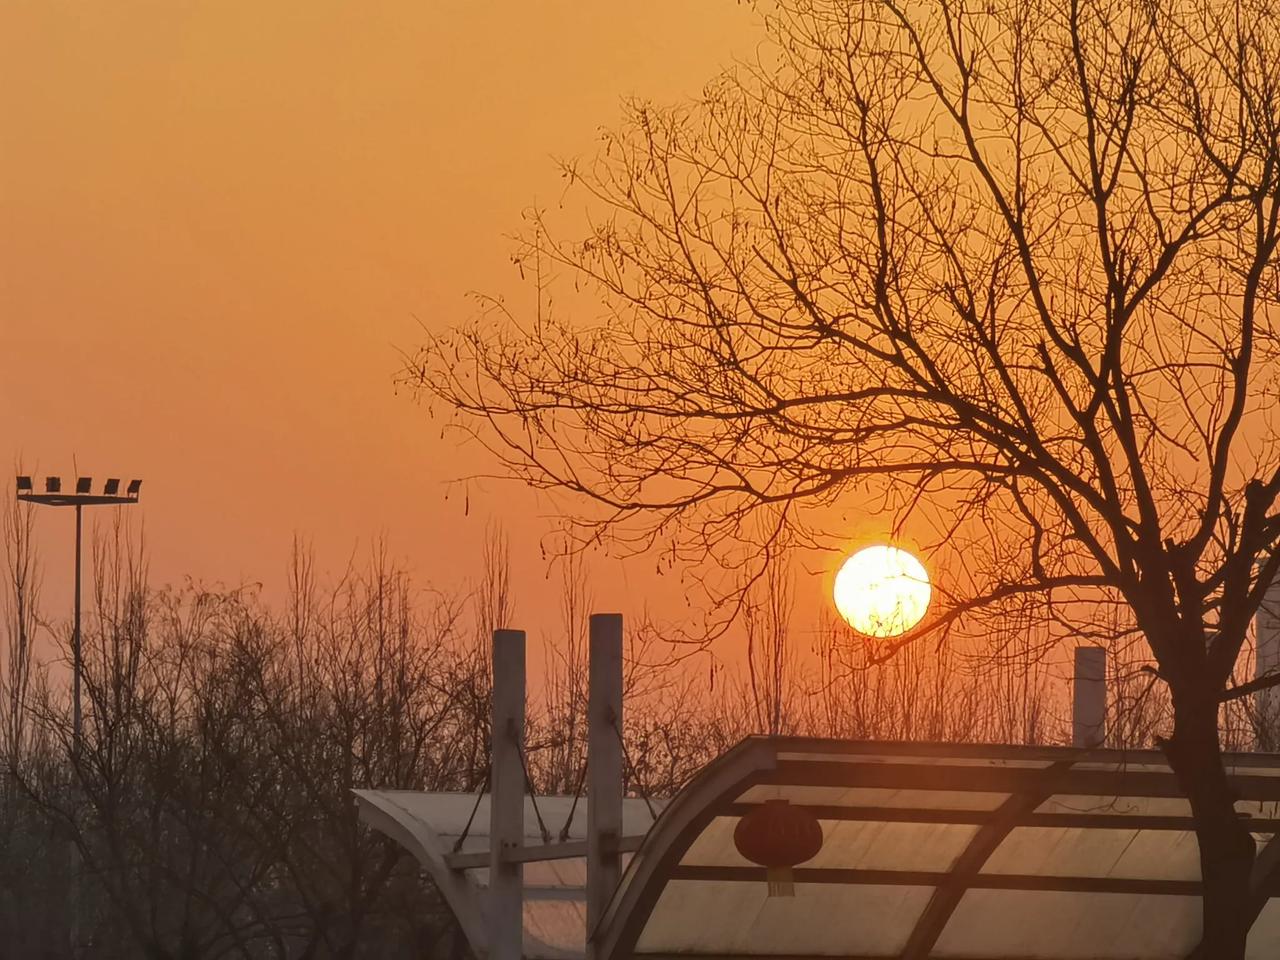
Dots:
pixel 929 851
pixel 449 835
pixel 941 851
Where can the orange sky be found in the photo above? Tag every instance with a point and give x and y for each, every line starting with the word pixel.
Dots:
pixel 220 218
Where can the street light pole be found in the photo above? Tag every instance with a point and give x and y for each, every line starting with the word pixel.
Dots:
pixel 77 722
pixel 83 497
pixel 53 496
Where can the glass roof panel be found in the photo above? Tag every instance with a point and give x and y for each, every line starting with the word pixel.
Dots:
pixel 1039 925
pixel 1116 806
pixel 570 872
pixel 850 844
pixel 1149 807
pixel 694 916
pixel 1265 933
pixel 556 924
pixel 1260 809
pixel 1076 852
pixel 1122 766
pixel 876 797
pixel 451 813
pixel 1242 767
pixel 891 846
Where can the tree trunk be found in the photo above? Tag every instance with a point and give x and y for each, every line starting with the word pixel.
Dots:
pixel 1227 849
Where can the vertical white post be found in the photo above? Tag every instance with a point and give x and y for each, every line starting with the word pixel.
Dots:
pixel 506 798
pixel 604 767
pixel 1266 631
pixel 1089 698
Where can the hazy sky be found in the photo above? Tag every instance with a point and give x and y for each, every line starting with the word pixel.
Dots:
pixel 219 219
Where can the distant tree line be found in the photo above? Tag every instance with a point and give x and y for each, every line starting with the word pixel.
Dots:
pixel 208 813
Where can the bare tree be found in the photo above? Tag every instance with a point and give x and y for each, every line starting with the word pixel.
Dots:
pixel 492 602
pixel 210 805
pixel 359 690
pixel 21 609
pixel 558 731
pixel 33 915
pixel 1007 269
pixel 766 616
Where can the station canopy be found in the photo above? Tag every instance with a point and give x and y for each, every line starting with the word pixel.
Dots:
pixel 929 851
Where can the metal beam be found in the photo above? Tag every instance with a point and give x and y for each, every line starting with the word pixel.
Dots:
pixel 567 850
pixel 506 807
pixel 73 499
pixel 790 747
pixel 1089 698
pixel 604 767
pixel 940 879
pixel 571 894
pixel 1001 779
pixel 1087 821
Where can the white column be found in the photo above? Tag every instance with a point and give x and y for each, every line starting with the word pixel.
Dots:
pixel 1266 628
pixel 604 767
pixel 506 798
pixel 1089 698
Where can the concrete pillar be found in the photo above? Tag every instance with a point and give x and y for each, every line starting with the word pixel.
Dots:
pixel 506 798
pixel 1266 629
pixel 604 767
pixel 1089 698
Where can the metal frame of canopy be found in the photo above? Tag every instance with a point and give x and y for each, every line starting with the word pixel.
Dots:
pixel 1026 779
pixel 1115 827
pixel 481 868
pixel 554 890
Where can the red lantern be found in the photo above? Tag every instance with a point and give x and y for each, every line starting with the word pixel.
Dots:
pixel 778 836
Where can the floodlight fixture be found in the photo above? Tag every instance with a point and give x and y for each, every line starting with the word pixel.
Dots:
pixel 53 496
pixel 83 495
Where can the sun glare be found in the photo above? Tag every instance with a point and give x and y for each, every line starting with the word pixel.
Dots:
pixel 882 591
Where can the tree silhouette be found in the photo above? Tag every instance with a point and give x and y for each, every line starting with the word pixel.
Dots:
pixel 1009 267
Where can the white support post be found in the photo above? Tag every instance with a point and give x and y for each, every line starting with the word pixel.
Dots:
pixel 1089 698
pixel 604 768
pixel 1266 632
pixel 506 798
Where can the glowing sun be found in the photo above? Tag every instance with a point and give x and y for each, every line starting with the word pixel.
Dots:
pixel 882 591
